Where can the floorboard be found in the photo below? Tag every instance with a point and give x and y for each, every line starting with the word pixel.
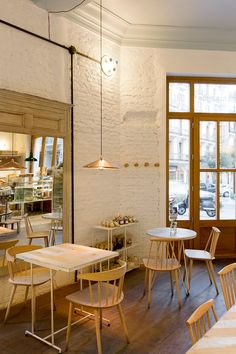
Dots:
pixel 161 329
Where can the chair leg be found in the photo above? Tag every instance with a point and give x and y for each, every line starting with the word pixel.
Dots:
pixel 30 241
pixel 26 295
pixel 69 325
pixel 209 272
pixel 213 276
pixel 98 333
pixel 171 283
pixel 190 271
pixel 100 318
pixel 122 319
pixel 149 287
pixel 177 287
pixel 10 302
pixel 145 281
pixel 46 241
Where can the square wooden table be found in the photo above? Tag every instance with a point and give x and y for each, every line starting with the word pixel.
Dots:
pixel 67 258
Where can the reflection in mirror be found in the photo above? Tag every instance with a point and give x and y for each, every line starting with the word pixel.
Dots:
pixel 31 198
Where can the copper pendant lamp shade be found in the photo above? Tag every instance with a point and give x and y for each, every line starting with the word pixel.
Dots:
pixel 101 164
pixel 11 165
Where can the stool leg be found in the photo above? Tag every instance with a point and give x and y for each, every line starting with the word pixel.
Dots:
pixel 69 326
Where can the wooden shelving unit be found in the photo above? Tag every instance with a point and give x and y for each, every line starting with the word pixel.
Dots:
pixel 112 232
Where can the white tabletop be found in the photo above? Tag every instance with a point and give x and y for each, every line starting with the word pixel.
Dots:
pixel 220 339
pixel 66 257
pixel 53 216
pixel 164 232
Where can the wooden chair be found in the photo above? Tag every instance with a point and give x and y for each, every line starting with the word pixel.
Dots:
pixel 35 234
pixel 228 284
pixel 56 226
pixel 105 293
pixel 207 255
pixel 20 274
pixel 4 245
pixel 163 260
pixel 200 321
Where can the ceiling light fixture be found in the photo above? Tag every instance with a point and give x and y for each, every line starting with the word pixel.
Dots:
pixel 11 165
pixel 101 164
pixel 31 157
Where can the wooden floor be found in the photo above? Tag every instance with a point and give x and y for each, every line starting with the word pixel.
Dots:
pixel 158 330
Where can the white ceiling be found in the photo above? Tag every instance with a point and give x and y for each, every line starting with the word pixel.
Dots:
pixel 197 24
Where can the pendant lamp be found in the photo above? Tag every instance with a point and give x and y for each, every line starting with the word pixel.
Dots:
pixel 11 165
pixel 101 164
pixel 31 157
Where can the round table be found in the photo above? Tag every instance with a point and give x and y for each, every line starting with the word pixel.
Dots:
pixel 180 236
pixel 56 219
pixel 53 216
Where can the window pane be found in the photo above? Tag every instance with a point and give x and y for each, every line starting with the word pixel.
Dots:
pixel 213 98
pixel 59 156
pixel 179 97
pixel 207 195
pixel 37 153
pixel 48 152
pixel 208 139
pixel 227 195
pixel 227 144
pixel 179 166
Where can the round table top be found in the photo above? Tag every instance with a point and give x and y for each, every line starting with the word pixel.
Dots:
pixel 53 216
pixel 164 232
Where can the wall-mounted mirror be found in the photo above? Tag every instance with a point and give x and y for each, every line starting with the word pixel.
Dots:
pixel 31 191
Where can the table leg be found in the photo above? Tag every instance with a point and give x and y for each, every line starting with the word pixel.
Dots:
pixel 52 306
pixel 32 299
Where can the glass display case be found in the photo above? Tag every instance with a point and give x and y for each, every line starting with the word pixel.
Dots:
pixel 57 202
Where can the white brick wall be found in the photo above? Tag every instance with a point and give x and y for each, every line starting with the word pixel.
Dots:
pixel 134 110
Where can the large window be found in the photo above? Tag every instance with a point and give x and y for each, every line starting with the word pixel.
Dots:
pixel 202 148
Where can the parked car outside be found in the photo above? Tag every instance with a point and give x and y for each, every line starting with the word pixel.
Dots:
pixel 225 190
pixel 211 187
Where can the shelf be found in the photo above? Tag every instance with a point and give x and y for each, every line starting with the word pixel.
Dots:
pixel 131 268
pixel 126 248
pixel 99 227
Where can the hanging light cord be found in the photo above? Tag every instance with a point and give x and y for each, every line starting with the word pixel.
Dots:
pixel 101 83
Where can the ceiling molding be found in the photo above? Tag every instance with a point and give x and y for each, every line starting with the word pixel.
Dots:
pixel 124 33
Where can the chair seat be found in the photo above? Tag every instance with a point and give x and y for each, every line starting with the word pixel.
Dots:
pixel 198 255
pixel 82 297
pixel 36 234
pixel 162 265
pixel 40 276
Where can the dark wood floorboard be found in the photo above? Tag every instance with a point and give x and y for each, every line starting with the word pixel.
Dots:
pixel 158 330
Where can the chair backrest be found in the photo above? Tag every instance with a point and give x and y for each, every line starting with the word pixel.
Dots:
pixel 228 284
pixel 162 253
pixel 212 241
pixel 28 226
pixel 200 321
pixel 11 258
pixel 4 245
pixel 108 290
